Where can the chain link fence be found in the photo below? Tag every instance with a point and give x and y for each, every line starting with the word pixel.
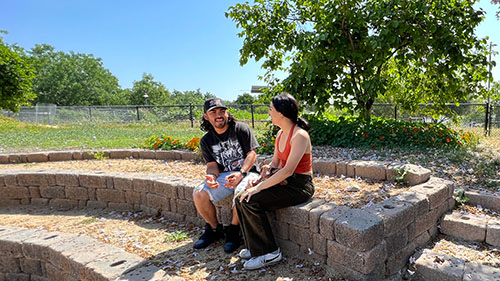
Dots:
pixel 41 113
pixel 479 118
pixel 470 114
pixel 58 115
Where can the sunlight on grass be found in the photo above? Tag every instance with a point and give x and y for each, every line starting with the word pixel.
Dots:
pixel 21 136
pixel 492 141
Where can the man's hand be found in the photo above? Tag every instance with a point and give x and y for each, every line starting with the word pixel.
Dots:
pixel 210 181
pixel 233 180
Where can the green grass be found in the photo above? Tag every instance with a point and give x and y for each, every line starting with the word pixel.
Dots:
pixel 87 221
pixel 20 136
pixel 176 236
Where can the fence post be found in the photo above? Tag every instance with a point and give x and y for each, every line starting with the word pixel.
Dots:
pixel 191 115
pixel 90 113
pixel 253 118
pixel 395 112
pixel 138 116
pixel 490 119
pixel 486 119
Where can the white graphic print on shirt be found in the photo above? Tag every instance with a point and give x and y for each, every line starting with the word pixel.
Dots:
pixel 229 154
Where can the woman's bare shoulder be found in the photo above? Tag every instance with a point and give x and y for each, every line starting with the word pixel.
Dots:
pixel 301 133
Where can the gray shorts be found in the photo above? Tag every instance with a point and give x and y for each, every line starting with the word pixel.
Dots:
pixel 222 191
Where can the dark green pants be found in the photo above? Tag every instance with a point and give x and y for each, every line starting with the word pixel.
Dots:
pixel 259 238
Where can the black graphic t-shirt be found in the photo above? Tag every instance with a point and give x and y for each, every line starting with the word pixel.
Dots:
pixel 229 150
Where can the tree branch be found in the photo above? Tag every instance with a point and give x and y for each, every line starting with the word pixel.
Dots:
pixel 344 29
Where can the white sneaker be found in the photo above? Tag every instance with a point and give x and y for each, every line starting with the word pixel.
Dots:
pixel 245 254
pixel 261 261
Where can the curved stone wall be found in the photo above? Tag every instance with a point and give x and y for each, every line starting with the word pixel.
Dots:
pixel 361 244
pixel 38 255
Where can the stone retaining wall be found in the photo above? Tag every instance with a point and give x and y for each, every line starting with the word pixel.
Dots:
pixel 37 255
pixel 361 244
pixel 356 168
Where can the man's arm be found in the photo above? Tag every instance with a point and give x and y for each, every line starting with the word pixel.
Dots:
pixel 249 161
pixel 235 178
pixel 212 174
pixel 213 169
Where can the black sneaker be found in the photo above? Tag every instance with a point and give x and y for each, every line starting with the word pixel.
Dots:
pixel 209 236
pixel 233 238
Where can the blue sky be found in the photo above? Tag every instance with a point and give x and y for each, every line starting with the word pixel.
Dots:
pixel 184 44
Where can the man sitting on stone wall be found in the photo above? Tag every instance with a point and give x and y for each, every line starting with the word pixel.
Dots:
pixel 228 147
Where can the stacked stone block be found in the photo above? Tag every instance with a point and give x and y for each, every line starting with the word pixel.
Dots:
pixel 472 227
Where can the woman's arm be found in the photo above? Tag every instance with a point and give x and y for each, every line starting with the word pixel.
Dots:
pixel 275 161
pixel 299 145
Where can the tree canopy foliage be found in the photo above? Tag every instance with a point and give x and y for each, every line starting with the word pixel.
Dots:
pixel 190 97
pixel 72 79
pixel 16 76
pixel 495 91
pixel 43 75
pixel 498 3
pixel 245 98
pixel 350 52
pixel 156 92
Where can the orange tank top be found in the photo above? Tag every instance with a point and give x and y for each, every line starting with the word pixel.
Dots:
pixel 305 163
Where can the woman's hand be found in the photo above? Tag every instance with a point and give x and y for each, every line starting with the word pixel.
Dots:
pixel 249 192
pixel 265 170
pixel 253 182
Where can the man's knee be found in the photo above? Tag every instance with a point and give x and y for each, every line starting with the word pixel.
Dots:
pixel 200 195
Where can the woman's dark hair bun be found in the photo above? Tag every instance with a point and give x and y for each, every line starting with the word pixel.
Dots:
pixel 288 106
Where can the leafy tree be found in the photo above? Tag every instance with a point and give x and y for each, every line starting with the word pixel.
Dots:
pixel 264 98
pixel 495 91
pixel 350 52
pixel 72 79
pixel 16 76
pixel 496 2
pixel 245 98
pixel 156 92
pixel 190 97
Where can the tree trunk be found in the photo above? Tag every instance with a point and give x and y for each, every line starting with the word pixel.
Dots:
pixel 366 110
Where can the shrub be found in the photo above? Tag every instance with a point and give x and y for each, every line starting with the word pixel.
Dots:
pixel 268 140
pixel 162 142
pixel 349 131
pixel 193 144
pixel 168 143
